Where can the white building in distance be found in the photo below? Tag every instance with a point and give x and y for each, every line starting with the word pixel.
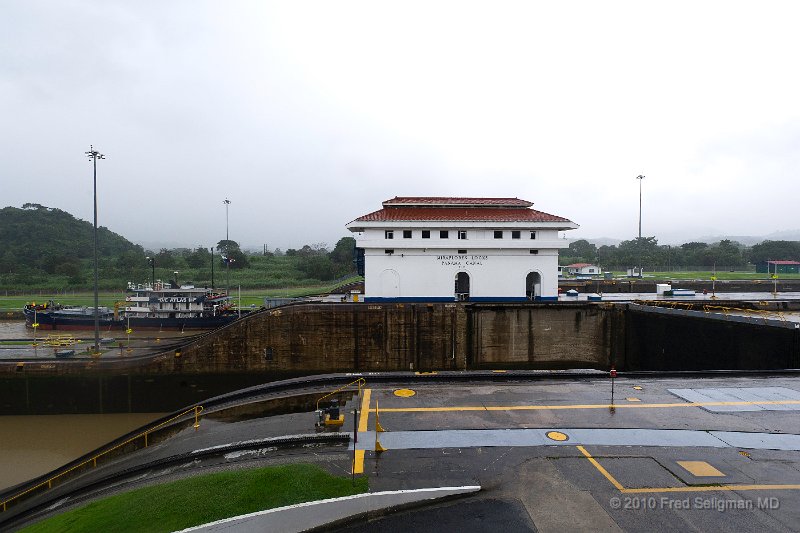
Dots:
pixel 434 249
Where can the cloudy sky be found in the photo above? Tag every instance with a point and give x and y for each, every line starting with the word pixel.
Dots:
pixel 307 115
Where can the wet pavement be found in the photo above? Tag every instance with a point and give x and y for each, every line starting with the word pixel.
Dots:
pixel 673 453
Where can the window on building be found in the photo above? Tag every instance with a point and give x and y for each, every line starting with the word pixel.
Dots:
pixel 426 234
pixel 498 234
pixel 462 234
pixel 462 252
pixel 534 252
pixel 444 234
pixel 515 234
pixel 389 252
pixel 533 235
pixel 389 234
pixel 406 233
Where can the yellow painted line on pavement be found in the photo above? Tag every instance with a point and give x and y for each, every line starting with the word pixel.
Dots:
pixel 602 470
pixel 363 418
pixel 704 488
pixel 707 488
pixel 578 406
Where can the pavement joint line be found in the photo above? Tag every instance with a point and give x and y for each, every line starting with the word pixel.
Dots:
pixel 363 419
pixel 704 488
pixel 578 406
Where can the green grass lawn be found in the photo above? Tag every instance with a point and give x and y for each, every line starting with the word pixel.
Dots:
pixel 198 500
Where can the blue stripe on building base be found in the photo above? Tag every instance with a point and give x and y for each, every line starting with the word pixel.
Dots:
pixel 445 299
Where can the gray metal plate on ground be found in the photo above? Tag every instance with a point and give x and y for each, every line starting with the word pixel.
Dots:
pixel 757 398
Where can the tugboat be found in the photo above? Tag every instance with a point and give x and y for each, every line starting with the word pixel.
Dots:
pixel 160 306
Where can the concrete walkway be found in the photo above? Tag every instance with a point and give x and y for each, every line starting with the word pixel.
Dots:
pixel 477 438
pixel 310 515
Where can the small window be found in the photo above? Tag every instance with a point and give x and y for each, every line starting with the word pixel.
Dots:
pixel 462 252
pixel 462 234
pixel 534 252
pixel 388 252
pixel 406 233
pixel 426 234
pixel 444 234
pixel 389 234
pixel 515 234
pixel 533 235
pixel 498 234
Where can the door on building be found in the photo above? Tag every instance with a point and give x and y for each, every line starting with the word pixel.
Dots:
pixel 390 284
pixel 462 287
pixel 533 285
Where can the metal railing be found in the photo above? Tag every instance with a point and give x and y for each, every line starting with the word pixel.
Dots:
pixel 765 314
pixel 360 381
pixel 197 409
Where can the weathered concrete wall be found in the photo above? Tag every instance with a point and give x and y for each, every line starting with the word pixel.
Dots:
pixel 542 336
pixel 666 339
pixel 322 338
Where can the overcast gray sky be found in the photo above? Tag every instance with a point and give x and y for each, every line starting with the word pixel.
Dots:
pixel 307 115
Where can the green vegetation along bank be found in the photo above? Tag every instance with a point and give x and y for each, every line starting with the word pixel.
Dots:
pixel 202 499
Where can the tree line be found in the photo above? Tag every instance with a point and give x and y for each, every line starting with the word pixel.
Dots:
pixel 646 252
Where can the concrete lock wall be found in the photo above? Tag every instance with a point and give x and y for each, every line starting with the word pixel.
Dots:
pixel 307 339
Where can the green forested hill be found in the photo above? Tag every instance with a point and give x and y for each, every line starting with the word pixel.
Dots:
pixel 43 248
pixel 39 238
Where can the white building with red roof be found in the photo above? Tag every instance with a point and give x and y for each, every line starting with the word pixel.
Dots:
pixel 469 249
pixel 583 269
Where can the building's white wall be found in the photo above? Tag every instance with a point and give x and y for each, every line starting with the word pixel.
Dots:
pixel 476 238
pixel 494 274
pixel 426 268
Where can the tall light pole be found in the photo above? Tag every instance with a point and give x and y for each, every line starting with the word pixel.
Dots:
pixel 152 261
pixel 227 249
pixel 94 155
pixel 640 178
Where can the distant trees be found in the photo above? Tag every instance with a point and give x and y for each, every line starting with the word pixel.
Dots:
pixel 775 250
pixel 232 255
pixel 648 253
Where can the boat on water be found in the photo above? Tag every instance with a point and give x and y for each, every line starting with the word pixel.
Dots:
pixel 154 307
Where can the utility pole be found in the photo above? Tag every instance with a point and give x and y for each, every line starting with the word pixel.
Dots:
pixel 227 249
pixel 640 177
pixel 94 155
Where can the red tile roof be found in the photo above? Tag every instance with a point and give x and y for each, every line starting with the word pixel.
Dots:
pixel 455 201
pixel 460 214
pixel 783 262
pixel 579 265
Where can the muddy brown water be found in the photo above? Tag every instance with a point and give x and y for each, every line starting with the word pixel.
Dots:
pixel 31 446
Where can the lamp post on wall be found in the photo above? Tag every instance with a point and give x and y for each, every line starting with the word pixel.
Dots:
pixel 227 248
pixel 152 262
pixel 94 155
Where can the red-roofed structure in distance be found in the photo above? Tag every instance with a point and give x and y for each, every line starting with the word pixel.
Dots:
pixel 434 248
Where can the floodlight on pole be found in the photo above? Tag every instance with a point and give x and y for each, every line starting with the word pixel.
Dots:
pixel 94 155
pixel 640 178
pixel 152 262
pixel 227 248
